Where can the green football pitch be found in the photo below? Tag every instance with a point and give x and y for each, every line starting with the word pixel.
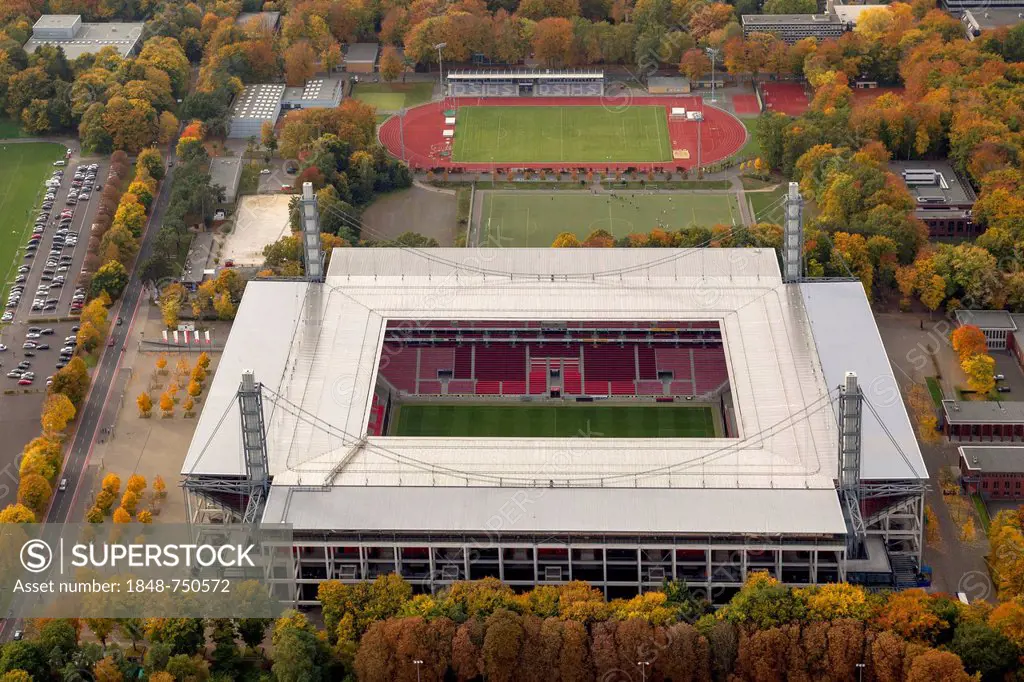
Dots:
pixel 555 421
pixel 535 218
pixel 553 134
pixel 23 168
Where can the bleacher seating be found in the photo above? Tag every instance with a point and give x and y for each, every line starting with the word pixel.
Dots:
pixel 398 365
pixel 710 368
pixel 501 362
pixel 434 359
pixel 497 358
pixel 609 362
pixel 376 423
pixel 645 360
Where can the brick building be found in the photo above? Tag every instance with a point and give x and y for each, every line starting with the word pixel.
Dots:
pixel 995 472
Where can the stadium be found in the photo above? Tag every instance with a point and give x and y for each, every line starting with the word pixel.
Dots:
pixel 558 120
pixel 621 416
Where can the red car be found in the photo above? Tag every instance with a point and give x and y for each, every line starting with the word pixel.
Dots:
pixel 24 382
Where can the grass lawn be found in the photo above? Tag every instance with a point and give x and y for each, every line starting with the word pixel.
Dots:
pixel 936 390
pixel 555 421
pixel 979 506
pixel 10 128
pixel 393 96
pixel 512 219
pixel 23 168
pixel 752 148
pixel 548 134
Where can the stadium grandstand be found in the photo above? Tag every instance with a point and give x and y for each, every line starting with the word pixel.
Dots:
pixel 522 83
pixel 620 416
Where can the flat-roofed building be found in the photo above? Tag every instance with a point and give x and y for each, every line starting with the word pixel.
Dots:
pixel 986 5
pixel 267 20
pixel 980 19
pixel 253 106
pixel 361 57
pixel 993 471
pixel 321 92
pixel 944 199
pixel 791 28
pixel 77 38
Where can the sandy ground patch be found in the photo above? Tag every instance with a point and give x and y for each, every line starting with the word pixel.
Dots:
pixel 432 214
pixel 261 219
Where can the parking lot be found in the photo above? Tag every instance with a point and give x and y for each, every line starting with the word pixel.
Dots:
pixel 37 336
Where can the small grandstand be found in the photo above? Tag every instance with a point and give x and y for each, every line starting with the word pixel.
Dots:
pixel 522 83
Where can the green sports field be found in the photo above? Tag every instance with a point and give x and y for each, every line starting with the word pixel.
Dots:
pixel 555 421
pixel 535 218
pixel 552 134
pixel 393 96
pixel 23 168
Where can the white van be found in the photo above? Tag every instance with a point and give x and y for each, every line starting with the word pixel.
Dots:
pixel 59 163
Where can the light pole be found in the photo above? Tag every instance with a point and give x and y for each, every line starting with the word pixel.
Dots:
pixel 860 672
pixel 417 662
pixel 713 53
pixel 440 65
pixel 643 665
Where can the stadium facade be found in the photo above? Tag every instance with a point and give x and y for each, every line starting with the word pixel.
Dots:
pixel 817 479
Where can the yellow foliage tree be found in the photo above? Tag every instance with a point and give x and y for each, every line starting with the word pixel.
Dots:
pixel 57 412
pixel 566 240
pixel 161 364
pixel 122 516
pixel 105 500
pixel 203 361
pixel 188 405
pixel 834 601
pixel 145 404
pixel 136 483
pixel 112 482
pixel 129 501
pixel 159 487
pixel 94 515
pixel 194 388
pixel 34 492
pixel 167 404
pixel 181 367
pixel 198 374
pixel 979 370
pixel 17 513
pixel 968 532
pixel 145 516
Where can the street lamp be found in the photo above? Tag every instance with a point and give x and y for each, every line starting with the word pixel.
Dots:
pixel 643 665
pixel 860 672
pixel 417 662
pixel 713 53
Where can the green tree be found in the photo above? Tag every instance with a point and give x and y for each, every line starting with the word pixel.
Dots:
pixel 299 655
pixel 112 278
pixel 25 656
pixel 984 650
pixel 151 159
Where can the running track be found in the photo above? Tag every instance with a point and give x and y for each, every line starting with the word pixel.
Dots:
pixel 722 133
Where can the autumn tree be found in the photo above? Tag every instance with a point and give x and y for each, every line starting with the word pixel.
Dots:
pixel 299 63
pixel 58 411
pixel 566 240
pixel 129 501
pixel 121 515
pixel 145 404
pixel 167 404
pixel 694 64
pixel 968 340
pixel 72 380
pixel 34 492
pixel 161 364
pixel 112 277
pixel 188 406
pixel 390 64
pixel 17 513
pixel 145 516
pixel 979 370
pixel 159 487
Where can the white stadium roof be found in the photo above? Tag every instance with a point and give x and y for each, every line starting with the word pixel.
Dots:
pixel 315 348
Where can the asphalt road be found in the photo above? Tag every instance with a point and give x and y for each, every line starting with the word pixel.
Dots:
pixel 77 455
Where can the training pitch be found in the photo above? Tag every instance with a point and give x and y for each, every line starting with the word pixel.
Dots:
pixel 23 168
pixel 555 421
pixel 561 134
pixel 535 218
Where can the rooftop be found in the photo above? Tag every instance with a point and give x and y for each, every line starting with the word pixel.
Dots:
pixel 57 21
pixel 786 346
pixel 90 38
pixel 947 190
pixel 259 101
pixel 986 319
pixel 787 19
pixel 226 172
pixel 537 74
pixel 987 18
pixel 851 13
pixel 320 89
pixel 983 412
pixel 994 458
pixel 268 19
pixel 362 53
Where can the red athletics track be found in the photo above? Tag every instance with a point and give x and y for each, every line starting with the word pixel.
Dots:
pixel 722 133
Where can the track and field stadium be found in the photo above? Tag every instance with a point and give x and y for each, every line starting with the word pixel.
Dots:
pixel 559 120
pixel 620 416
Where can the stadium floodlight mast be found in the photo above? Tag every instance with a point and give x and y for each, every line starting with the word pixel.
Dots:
pixel 440 65
pixel 713 54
